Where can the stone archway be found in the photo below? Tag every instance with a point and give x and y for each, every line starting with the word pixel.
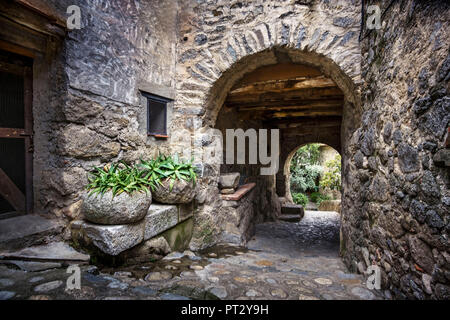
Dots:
pixel 207 70
pixel 284 173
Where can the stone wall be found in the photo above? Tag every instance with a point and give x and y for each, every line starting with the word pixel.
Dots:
pixel 88 108
pixel 396 196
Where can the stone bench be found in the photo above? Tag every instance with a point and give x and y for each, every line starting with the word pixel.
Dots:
pixel 114 239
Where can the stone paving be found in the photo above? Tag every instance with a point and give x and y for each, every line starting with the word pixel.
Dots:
pixel 283 261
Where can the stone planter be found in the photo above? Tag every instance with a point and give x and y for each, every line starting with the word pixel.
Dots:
pixel 121 209
pixel 182 192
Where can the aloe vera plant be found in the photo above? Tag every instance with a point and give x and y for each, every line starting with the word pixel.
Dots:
pixel 118 180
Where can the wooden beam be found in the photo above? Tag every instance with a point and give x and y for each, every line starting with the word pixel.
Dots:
pixel 298 121
pixel 281 71
pixel 27 16
pixel 309 112
pixel 12 133
pixel 301 105
pixel 18 35
pixel 285 85
pixel 11 193
pixel 289 96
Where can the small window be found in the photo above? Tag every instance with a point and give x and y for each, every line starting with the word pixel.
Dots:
pixel 156 115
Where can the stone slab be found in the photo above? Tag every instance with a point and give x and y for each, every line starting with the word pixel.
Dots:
pixel 159 219
pixel 242 191
pixel 113 240
pixel 32 266
pixel 55 251
pixel 229 180
pixel 26 230
pixel 292 209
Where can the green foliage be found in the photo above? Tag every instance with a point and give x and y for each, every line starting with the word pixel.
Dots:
pixel 317 197
pixel 305 169
pixel 300 198
pixel 331 177
pixel 304 178
pixel 168 167
pixel 306 155
pixel 118 178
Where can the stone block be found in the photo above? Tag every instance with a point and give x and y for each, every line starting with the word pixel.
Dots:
pixel 112 240
pixel 159 219
pixel 229 180
pixel 185 211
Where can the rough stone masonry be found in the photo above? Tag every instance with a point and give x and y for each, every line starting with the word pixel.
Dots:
pixel 88 111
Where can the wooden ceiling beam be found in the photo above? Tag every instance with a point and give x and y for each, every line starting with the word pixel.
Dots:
pixel 298 106
pixel 300 94
pixel 285 85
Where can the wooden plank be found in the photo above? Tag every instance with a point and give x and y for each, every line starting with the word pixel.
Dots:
pixel 281 71
pixel 18 35
pixel 11 193
pixel 298 121
pixel 300 105
pixel 294 95
pixel 44 9
pixel 27 17
pixel 6 46
pixel 285 85
pixel 29 147
pixel 12 133
pixel 309 112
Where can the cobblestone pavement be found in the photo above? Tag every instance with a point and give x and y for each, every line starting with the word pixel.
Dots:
pixel 283 261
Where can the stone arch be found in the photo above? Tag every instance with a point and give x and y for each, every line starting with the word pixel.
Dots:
pixel 217 93
pixel 285 162
pixel 206 73
pixel 207 70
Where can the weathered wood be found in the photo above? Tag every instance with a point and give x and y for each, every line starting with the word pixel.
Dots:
pixel 12 133
pixel 293 96
pixel 281 71
pixel 19 35
pixel 285 85
pixel 29 15
pixel 29 147
pixel 6 46
pixel 309 112
pixel 298 121
pixel 10 192
pixel 298 106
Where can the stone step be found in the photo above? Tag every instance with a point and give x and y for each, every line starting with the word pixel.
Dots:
pixel 290 217
pixel 290 208
pixel 27 230
pixel 50 253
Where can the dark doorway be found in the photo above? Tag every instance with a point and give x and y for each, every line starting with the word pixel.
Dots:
pixel 16 133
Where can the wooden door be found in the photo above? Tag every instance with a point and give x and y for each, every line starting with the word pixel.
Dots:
pixel 16 135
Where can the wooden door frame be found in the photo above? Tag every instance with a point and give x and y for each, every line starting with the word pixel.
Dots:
pixel 25 133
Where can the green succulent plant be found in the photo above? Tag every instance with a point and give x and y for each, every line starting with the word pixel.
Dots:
pixel 119 178
pixel 168 167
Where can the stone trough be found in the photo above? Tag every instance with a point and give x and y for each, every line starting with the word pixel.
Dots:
pixel 115 239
